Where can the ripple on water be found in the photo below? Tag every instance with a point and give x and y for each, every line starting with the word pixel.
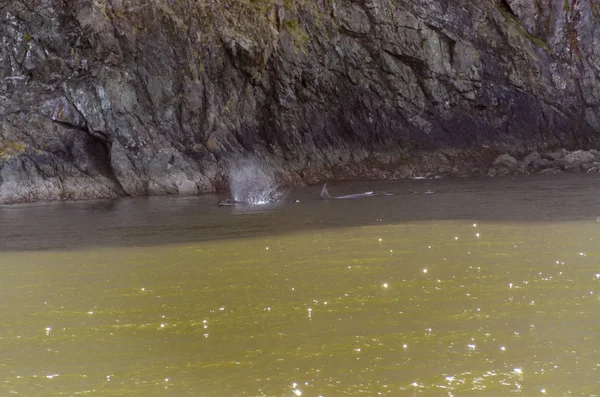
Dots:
pixel 329 312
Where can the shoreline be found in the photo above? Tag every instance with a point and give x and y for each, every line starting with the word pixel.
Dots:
pixel 441 164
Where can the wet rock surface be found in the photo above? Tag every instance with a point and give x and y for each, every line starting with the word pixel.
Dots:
pixel 105 98
pixel 547 163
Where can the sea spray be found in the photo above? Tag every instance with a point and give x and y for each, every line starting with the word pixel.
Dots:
pixel 253 183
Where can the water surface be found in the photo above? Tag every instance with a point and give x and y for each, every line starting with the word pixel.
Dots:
pixel 483 285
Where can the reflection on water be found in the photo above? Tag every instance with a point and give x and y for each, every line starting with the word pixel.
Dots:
pixel 495 289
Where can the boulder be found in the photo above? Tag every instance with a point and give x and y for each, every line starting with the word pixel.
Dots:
pixel 506 161
pixel 575 160
pixel 543 164
pixel 557 155
pixel 531 159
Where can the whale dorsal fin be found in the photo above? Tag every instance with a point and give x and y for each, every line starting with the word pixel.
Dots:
pixel 324 192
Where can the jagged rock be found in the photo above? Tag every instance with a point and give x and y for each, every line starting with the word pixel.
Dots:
pixel 551 171
pixel 535 162
pixel 506 161
pixel 492 172
pixel 557 155
pixel 506 164
pixel 543 164
pixel 576 160
pixel 531 159
pixel 114 97
pixel 593 168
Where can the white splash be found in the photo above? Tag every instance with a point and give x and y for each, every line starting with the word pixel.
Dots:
pixel 252 182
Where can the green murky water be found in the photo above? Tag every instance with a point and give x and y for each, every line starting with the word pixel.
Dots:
pixel 483 286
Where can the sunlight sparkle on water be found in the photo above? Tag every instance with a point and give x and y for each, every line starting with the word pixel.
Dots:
pixel 235 285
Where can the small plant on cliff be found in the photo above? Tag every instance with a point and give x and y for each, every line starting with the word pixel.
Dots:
pixel 572 19
pixel 596 9
pixel 9 149
pixel 299 34
pixel 510 17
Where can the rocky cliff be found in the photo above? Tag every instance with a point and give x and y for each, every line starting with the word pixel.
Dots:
pixel 103 98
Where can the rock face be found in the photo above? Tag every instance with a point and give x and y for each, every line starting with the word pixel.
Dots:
pixel 103 98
